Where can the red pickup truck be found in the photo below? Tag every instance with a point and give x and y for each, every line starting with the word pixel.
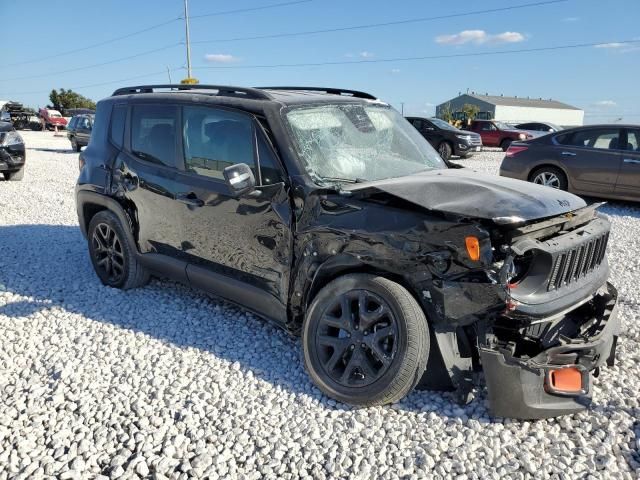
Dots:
pixel 498 134
pixel 52 118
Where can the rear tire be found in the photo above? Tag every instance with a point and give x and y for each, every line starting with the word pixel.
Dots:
pixel 375 350
pixel 14 176
pixel 504 145
pixel 550 177
pixel 74 144
pixel 445 150
pixel 114 260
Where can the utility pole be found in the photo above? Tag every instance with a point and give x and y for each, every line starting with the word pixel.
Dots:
pixel 402 108
pixel 186 24
pixel 169 74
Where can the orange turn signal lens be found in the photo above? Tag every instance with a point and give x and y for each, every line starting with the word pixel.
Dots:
pixel 566 379
pixel 473 247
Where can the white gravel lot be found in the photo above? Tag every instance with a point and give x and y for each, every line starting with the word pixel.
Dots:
pixel 165 382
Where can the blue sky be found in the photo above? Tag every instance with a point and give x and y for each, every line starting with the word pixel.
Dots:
pixel 603 81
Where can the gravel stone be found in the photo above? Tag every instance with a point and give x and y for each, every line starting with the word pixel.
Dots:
pixel 166 382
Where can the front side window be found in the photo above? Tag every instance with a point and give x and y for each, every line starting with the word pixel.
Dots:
pixel 153 135
pixel 353 142
pixel 216 139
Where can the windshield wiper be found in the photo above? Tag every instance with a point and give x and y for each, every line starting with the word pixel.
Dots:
pixel 345 180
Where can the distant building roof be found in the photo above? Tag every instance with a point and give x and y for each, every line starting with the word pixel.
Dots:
pixel 522 102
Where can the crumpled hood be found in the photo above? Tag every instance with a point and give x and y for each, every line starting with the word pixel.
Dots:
pixel 469 193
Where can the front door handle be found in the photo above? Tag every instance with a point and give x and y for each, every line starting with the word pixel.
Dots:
pixel 189 199
pixel 568 154
pixel 631 160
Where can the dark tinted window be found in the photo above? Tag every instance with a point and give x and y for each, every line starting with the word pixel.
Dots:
pixel 118 117
pixel 153 135
pixel 417 123
pixel 215 139
pixel 72 123
pixel 270 169
pixel 83 122
pixel 600 138
pixel 633 140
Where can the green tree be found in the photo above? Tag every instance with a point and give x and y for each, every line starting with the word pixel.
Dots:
pixel 69 99
pixel 470 112
pixel 446 114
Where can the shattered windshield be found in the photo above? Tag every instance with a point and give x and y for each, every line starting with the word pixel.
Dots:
pixel 358 142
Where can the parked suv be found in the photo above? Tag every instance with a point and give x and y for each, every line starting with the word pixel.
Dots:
pixel 498 134
pixel 79 131
pixel 327 212
pixel 446 138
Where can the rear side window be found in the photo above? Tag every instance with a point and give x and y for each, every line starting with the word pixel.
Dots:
pixel 599 138
pixel 153 133
pixel 215 139
pixel 118 117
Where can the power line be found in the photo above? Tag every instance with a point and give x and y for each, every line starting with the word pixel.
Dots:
pixel 95 65
pixel 99 44
pixel 250 9
pixel 409 59
pixel 147 29
pixel 383 24
pixel 110 82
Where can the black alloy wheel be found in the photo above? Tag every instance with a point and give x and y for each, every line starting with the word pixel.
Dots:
pixel 108 254
pixel 365 340
pixel 357 338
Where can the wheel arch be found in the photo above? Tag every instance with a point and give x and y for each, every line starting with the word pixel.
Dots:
pixel 548 164
pixel 90 203
pixel 341 265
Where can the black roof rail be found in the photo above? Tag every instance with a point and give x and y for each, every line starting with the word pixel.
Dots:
pixel 331 91
pixel 222 90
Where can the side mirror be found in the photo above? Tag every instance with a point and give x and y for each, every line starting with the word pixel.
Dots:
pixel 240 179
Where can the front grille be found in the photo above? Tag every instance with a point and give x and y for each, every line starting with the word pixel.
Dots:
pixel 574 264
pixel 475 140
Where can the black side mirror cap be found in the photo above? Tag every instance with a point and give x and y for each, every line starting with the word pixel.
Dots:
pixel 239 179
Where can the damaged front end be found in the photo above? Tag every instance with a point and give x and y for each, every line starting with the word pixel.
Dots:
pixel 544 369
pixel 541 314
pixel 559 322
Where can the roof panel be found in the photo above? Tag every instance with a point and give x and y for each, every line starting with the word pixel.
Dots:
pixel 523 102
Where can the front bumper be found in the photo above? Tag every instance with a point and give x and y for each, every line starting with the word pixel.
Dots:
pixel 11 158
pixel 519 387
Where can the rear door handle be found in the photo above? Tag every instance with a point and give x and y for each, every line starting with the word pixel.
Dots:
pixel 568 154
pixel 631 160
pixel 189 199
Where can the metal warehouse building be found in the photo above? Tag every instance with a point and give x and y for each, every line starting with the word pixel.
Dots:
pixel 515 109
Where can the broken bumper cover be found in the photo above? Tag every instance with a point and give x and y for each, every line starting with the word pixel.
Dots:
pixel 522 389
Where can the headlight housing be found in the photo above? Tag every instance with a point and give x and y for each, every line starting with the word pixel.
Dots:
pixel 11 138
pixel 522 136
pixel 464 137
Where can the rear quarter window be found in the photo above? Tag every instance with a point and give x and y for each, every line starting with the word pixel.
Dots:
pixel 118 118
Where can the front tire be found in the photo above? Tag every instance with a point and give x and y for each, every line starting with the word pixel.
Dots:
pixel 14 176
pixel 114 260
pixel 365 340
pixel 445 150
pixel 504 145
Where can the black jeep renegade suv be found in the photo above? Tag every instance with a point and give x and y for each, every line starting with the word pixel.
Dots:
pixel 327 212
